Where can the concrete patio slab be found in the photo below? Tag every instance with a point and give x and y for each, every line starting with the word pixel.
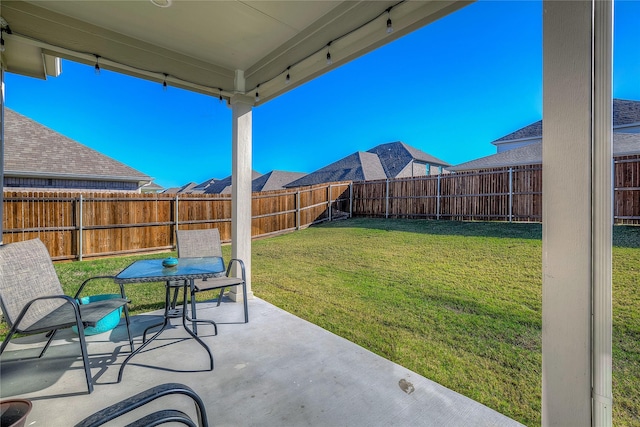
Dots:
pixel 277 370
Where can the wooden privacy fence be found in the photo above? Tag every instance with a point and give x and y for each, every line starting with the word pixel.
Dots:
pixel 504 194
pixel 77 225
pixel 513 194
pixel 74 225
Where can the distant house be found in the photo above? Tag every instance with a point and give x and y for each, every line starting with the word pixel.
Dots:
pixel 201 188
pixel 274 180
pixel 38 158
pixel 187 188
pixel 524 146
pixel 400 160
pixel 220 186
pixel 359 166
pixel 626 119
pixel 624 144
pixel 391 160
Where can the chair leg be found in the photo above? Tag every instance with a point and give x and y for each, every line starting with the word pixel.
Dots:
pixel 245 302
pixel 85 357
pixel 8 337
pixel 51 335
pixel 220 296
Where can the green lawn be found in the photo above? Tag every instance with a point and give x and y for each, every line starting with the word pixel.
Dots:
pixel 459 303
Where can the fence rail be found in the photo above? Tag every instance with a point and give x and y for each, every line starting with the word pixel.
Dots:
pixel 77 225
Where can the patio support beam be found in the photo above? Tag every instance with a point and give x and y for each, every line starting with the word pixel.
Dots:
pixel 577 212
pixel 241 107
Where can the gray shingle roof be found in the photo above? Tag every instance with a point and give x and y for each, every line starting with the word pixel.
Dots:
pixel 223 186
pixel 187 188
pixel 624 144
pixel 32 149
pixel 203 186
pixel 395 156
pixel 381 162
pixel 358 166
pixel 532 131
pixel 274 180
pixel 625 112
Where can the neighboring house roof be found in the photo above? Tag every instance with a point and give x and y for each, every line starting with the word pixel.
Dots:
pixel 223 186
pixel 534 130
pixel 274 180
pixel 201 188
pixel 625 112
pixel 381 162
pixel 624 144
pixel 187 188
pixel 395 156
pixel 359 166
pixel 34 150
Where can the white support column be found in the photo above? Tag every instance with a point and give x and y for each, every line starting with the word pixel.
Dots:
pixel 1 149
pixel 577 214
pixel 241 107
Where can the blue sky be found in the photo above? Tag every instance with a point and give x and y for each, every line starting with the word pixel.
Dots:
pixel 448 89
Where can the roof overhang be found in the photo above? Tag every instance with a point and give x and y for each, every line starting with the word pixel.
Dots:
pixel 221 48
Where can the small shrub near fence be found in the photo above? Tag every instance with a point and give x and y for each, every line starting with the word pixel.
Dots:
pixel 76 225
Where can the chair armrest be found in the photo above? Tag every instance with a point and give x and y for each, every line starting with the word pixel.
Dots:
pixel 28 305
pixel 127 405
pixel 77 295
pixel 239 261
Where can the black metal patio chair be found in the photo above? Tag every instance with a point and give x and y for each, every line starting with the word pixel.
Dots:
pixel 32 299
pixel 202 243
pixel 155 418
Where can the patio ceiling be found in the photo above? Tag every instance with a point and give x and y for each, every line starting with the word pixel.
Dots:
pixel 201 45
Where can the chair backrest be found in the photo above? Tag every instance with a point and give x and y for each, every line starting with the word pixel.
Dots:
pixel 26 273
pixel 199 243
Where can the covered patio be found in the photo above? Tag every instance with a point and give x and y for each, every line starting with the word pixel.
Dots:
pixel 250 52
pixel 277 370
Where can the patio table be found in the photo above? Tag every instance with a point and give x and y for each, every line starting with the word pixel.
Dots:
pixel 180 276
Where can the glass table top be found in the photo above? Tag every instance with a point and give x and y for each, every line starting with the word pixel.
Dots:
pixel 151 270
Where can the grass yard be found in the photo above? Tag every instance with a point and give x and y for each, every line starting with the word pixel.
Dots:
pixel 459 303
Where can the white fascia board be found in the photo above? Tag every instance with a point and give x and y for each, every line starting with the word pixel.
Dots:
pixel 46 175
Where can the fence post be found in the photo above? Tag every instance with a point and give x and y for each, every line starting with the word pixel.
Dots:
pixel 386 207
pixel 80 228
pixel 298 210
pixel 175 232
pixel 329 200
pixel 438 198
pixel 351 199
pixel 510 194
